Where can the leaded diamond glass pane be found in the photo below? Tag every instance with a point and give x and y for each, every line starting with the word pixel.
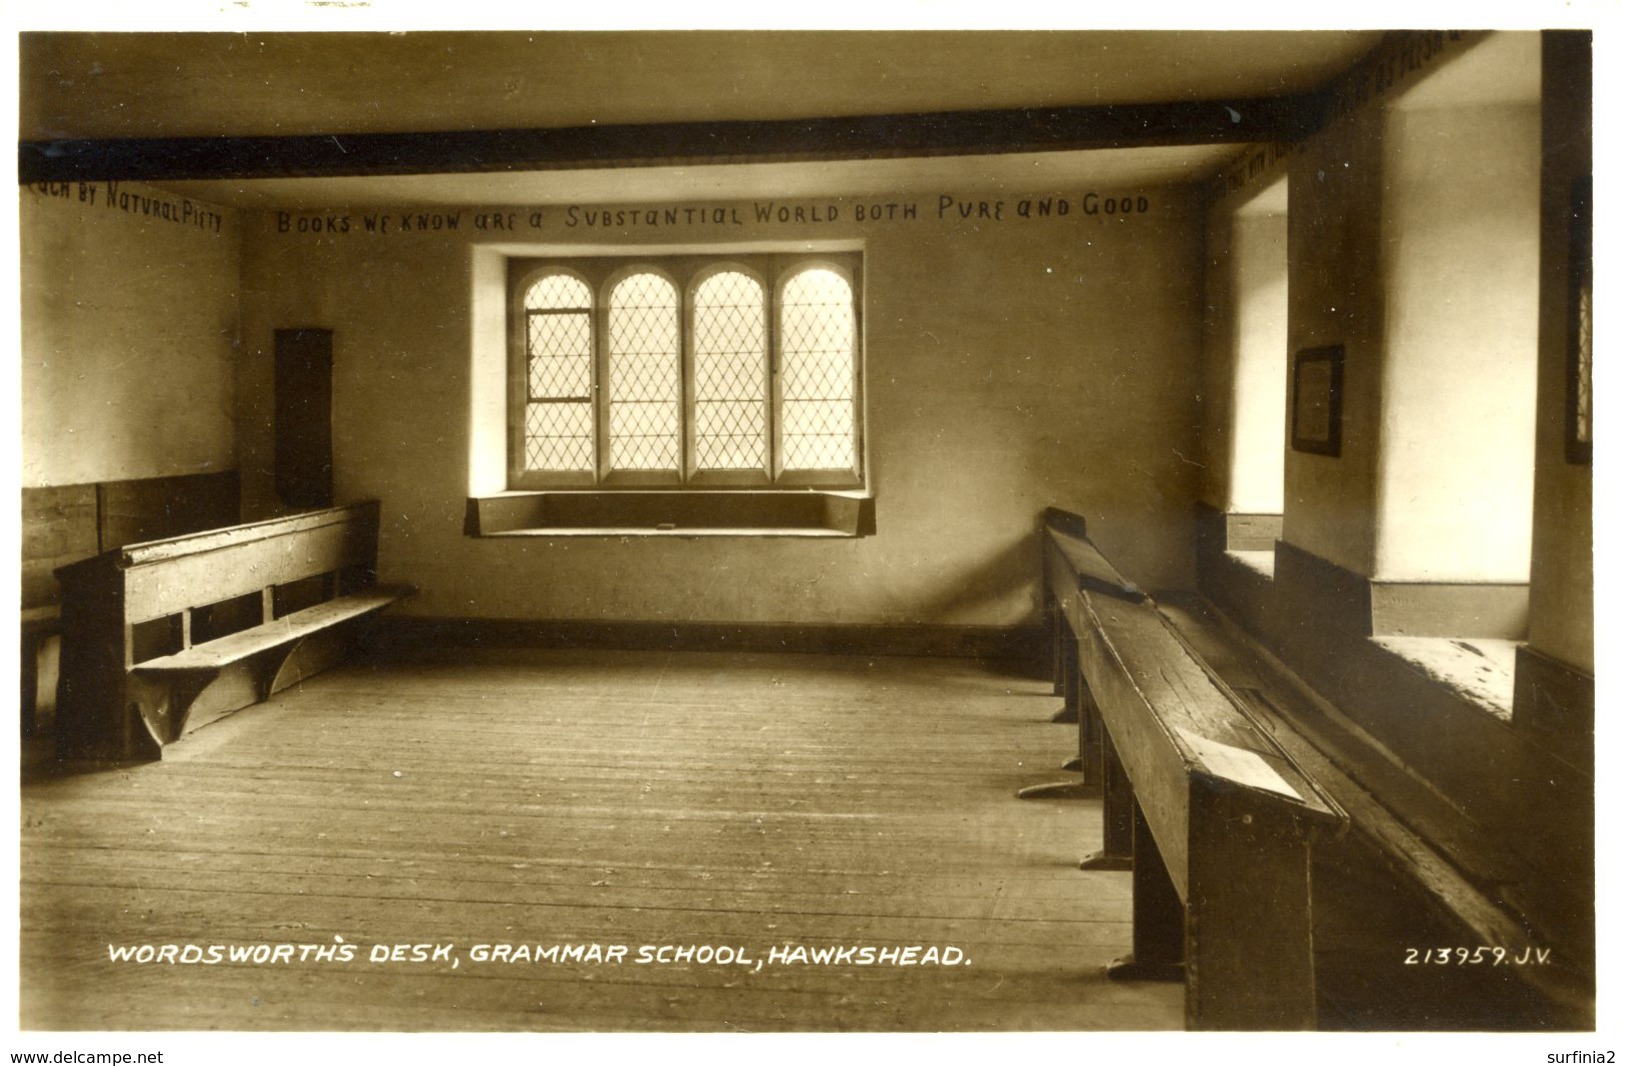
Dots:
pixel 645 376
pixel 816 323
pixel 558 292
pixel 730 374
pixel 558 436
pixel 560 355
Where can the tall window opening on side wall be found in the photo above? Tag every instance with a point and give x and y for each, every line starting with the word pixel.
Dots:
pixel 1460 259
pixel 686 371
pixel 1257 277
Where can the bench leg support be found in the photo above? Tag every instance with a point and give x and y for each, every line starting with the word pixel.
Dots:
pixel 1059 635
pixel 1068 681
pixel 1116 815
pixel 1091 732
pixel 1058 790
pixel 164 703
pixel 1159 916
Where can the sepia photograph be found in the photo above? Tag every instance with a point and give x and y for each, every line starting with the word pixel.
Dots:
pixel 749 530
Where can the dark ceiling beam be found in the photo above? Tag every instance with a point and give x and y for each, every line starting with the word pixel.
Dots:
pixel 674 143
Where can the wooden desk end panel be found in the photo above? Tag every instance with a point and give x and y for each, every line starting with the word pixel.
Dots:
pixel 1249 948
pixel 92 696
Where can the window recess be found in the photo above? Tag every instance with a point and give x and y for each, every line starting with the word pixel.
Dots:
pixel 686 373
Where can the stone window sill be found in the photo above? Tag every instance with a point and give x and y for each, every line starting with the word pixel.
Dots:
pixel 806 513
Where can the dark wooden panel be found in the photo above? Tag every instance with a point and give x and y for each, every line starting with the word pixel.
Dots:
pixel 1248 927
pixel 852 515
pixel 1221 531
pixel 1068 522
pixel 1309 587
pixel 1117 806
pixel 1242 592
pixel 1159 912
pixel 1353 604
pixel 64 524
pixel 303 406
pixel 155 508
pixel 1556 704
pixel 58 528
pixel 624 511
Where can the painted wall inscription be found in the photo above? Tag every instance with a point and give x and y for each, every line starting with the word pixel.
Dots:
pixel 133 200
pixel 1095 206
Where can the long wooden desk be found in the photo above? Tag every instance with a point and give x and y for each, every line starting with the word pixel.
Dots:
pixel 1217 819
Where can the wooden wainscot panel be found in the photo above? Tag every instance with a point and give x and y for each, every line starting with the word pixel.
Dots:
pixel 1556 705
pixel 58 528
pixel 1433 609
pixel 161 507
pixel 64 524
pixel 1252 532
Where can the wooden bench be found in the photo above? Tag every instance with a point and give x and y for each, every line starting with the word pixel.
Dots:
pixel 162 637
pixel 1216 818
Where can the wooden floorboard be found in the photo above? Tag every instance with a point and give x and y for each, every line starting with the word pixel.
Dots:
pixel 746 801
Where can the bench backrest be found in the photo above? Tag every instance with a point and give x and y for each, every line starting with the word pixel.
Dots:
pixel 164 577
pixel 160 578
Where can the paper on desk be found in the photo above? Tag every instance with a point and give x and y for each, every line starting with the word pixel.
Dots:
pixel 1237 764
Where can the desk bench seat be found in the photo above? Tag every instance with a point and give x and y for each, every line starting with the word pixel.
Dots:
pixel 276 634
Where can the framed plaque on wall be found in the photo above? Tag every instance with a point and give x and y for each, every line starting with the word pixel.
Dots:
pixel 1317 400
